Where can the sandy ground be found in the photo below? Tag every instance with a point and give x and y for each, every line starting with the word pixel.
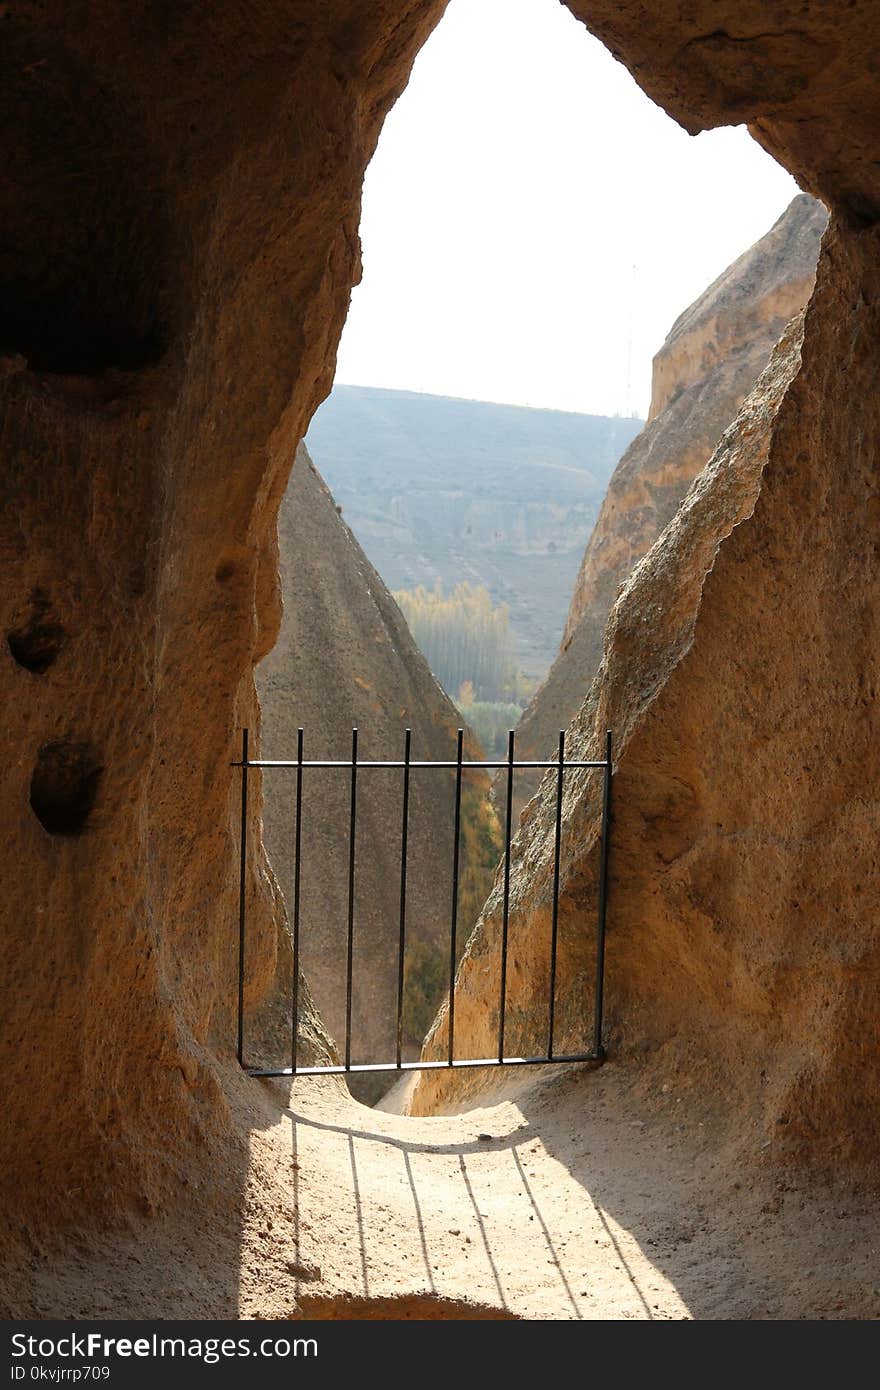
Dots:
pixel 585 1194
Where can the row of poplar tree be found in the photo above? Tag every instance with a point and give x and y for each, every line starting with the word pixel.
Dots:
pixel 465 639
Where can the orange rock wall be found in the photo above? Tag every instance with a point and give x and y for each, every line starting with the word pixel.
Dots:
pixel 177 245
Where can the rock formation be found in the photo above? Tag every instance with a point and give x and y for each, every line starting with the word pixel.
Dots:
pixel 653 623
pixel 736 680
pixel 179 240
pixel 344 659
pixel 711 359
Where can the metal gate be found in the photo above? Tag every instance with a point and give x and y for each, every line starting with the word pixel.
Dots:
pixel 355 769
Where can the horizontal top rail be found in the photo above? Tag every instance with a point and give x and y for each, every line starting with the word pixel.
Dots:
pixel 347 762
pixel 338 1069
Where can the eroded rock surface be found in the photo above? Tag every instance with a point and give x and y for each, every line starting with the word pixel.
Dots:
pixel 178 242
pixel 709 362
pixel 651 629
pixel 743 837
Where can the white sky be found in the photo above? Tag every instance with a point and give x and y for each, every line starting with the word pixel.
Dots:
pixel 533 223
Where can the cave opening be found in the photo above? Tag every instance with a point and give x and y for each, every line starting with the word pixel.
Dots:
pixel 526 249
pixel 494 370
pixel 62 1114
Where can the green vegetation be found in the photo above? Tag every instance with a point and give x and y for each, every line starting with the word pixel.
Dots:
pixel 466 642
pixel 480 852
pixel 491 721
pixel 425 984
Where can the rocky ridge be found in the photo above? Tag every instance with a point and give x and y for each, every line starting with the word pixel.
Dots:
pixel 711 359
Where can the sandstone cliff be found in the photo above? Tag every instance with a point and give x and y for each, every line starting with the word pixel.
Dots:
pixel 650 632
pixel 710 360
pixel 178 243
pixel 739 944
pixel 344 659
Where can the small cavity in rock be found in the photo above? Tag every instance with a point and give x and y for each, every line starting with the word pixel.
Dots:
pixel 36 642
pixel 64 786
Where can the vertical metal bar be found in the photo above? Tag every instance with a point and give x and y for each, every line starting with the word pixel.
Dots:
pixel 401 945
pixel 352 826
pixel 455 866
pixel 242 892
pixel 297 860
pixel 603 900
pixel 554 931
pixel 508 826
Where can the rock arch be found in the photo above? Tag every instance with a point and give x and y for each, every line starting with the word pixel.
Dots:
pixel 132 469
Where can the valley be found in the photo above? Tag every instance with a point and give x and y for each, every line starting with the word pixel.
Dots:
pixel 439 489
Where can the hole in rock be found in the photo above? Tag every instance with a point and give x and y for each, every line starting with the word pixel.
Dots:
pixel 402 1307
pixel 36 643
pixel 527 250
pixel 64 786
pixel 82 221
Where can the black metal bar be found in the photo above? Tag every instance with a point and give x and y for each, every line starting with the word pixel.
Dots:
pixel 366 765
pixel 242 892
pixel 554 930
pixel 297 860
pixel 455 865
pixel 603 901
pixel 339 1070
pixel 352 827
pixel 401 946
pixel 508 827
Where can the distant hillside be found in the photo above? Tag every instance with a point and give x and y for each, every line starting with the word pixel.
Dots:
pixel 439 488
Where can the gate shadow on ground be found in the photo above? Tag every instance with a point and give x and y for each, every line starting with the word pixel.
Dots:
pixel 566 1203
pixel 533 1215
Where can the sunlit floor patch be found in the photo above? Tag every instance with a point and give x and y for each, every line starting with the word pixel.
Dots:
pixel 492 1208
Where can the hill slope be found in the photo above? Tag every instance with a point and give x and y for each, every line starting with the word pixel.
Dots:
pixel 345 658
pixel 439 488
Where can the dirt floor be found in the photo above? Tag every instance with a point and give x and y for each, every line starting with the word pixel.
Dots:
pixel 584 1194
